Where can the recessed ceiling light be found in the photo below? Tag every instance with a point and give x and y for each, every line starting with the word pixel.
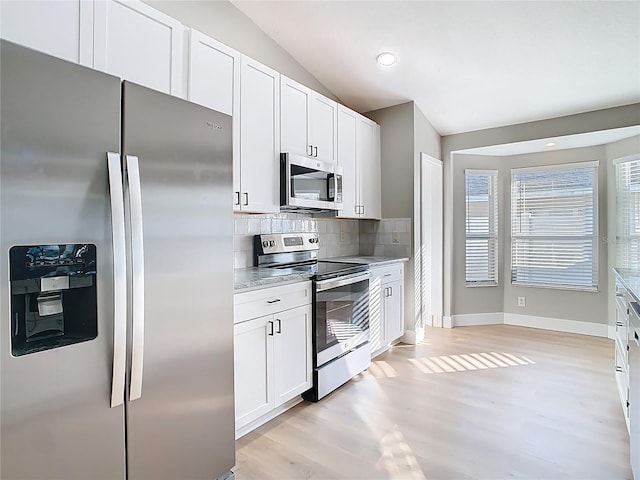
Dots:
pixel 386 59
pixel 550 144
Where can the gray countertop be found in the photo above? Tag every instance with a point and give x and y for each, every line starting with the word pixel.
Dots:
pixel 254 277
pixel 631 280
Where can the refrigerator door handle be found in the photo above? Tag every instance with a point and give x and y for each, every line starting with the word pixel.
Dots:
pixel 137 271
pixel 119 279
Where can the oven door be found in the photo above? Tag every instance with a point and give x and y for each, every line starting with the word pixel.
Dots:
pixel 341 315
pixel 309 183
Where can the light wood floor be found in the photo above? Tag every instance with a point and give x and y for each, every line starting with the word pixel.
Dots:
pixel 486 402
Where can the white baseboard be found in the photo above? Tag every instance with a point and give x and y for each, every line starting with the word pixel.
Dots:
pixel 447 321
pixel 478 319
pixel 612 332
pixel 242 431
pixel 558 324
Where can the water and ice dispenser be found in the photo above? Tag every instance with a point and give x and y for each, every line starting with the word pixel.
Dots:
pixel 53 296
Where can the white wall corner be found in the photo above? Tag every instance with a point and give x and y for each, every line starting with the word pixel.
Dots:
pixel 447 321
pixel 413 337
pixel 557 324
pixel 469 319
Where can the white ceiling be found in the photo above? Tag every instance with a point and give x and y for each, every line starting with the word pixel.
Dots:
pixel 468 65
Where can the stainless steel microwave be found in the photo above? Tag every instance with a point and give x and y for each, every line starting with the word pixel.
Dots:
pixel 307 183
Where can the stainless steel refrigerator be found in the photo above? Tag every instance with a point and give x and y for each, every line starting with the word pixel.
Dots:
pixel 116 333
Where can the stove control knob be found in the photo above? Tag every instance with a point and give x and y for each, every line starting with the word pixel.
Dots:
pixel 265 243
pixel 272 243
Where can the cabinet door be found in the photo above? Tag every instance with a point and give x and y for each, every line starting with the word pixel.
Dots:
pixel 259 137
pixel 393 310
pixel 347 120
pixel 295 101
pixel 368 165
pixel 324 128
pixel 377 327
pixel 137 43
pixel 253 363
pixel 214 81
pixel 61 29
pixel 292 353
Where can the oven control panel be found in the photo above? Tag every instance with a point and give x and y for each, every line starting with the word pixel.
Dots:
pixel 286 242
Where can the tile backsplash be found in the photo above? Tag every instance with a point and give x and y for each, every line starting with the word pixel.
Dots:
pixel 338 237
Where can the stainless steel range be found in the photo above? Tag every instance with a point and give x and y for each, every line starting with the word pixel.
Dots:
pixel 340 307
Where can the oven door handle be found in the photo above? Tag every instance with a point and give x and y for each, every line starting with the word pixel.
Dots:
pixel 324 285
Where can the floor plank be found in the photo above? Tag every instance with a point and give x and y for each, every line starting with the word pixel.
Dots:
pixel 484 402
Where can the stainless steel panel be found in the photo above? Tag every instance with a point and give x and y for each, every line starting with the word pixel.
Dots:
pixel 116 197
pixel 137 277
pixel 183 425
pixel 341 370
pixel 58 120
pixel 634 388
pixel 324 285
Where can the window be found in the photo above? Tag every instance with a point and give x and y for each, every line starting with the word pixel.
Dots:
pixel 554 226
pixel 628 212
pixel 481 247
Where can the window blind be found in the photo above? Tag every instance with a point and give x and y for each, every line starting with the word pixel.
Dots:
pixel 628 212
pixel 554 226
pixel 481 246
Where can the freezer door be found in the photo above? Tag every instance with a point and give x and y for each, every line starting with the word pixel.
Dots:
pixel 59 120
pixel 180 416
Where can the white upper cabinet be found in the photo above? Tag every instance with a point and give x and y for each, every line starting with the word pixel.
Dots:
pixel 295 104
pixel 308 122
pixel 214 81
pixel 63 29
pixel 359 156
pixel 214 74
pixel 368 155
pixel 347 122
pixel 256 177
pixel 137 43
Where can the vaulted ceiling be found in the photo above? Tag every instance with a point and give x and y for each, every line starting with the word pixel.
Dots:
pixel 468 65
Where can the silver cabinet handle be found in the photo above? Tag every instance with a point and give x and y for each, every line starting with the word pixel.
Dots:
pixel 310 151
pixel 619 324
pixel 137 272
pixel 388 274
pixel 619 369
pixel 119 279
pixel 316 152
pixel 273 301
pixel 246 198
pixel 279 326
pixel 270 332
pixel 237 194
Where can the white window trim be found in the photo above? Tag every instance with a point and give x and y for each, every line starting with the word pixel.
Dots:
pixel 595 237
pixel 485 283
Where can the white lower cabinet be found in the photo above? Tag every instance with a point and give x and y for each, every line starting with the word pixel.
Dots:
pixel 621 346
pixel 386 306
pixel 272 353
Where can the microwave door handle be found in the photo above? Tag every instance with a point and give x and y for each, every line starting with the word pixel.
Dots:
pixel 137 271
pixel 116 197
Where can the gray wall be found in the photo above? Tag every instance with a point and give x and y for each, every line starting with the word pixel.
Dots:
pixel 405 132
pixel 581 123
pixel 548 302
pixel 222 21
pixel 465 299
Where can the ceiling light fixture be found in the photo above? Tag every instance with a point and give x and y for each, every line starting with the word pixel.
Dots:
pixel 550 144
pixel 386 59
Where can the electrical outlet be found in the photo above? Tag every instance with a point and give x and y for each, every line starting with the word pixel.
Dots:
pixel 395 237
pixel 522 302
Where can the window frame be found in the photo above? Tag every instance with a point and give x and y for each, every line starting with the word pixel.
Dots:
pixel 594 236
pixel 493 218
pixel 624 236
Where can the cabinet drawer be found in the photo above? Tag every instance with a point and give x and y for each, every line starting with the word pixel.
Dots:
pixel 270 300
pixel 388 273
